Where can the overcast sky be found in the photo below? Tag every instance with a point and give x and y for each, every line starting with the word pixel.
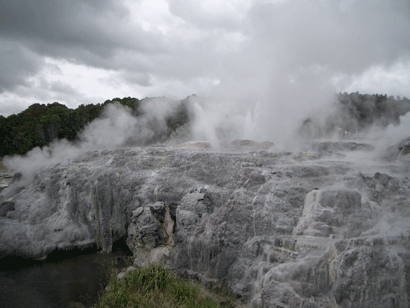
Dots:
pixel 86 51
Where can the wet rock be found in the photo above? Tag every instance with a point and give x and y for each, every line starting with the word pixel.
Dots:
pixel 6 207
pixel 158 210
pixel 336 213
pixel 281 230
pixel 404 148
pixel 6 178
pixel 201 145
pixel 239 144
pixel 145 231
pixel 340 146
pixel 399 151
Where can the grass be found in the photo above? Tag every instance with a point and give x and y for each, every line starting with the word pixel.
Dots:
pixel 156 286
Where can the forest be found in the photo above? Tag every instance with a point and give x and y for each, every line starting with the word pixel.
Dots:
pixel 354 114
pixel 40 124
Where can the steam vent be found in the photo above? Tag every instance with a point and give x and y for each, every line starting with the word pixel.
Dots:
pixel 327 227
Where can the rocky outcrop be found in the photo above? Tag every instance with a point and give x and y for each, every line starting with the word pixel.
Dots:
pixel 280 229
pixel 400 151
pixel 332 146
pixel 239 144
pixel 5 180
pixel 194 145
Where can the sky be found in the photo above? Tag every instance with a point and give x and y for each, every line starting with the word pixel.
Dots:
pixel 278 56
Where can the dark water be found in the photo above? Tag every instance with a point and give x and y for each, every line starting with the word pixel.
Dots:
pixel 56 282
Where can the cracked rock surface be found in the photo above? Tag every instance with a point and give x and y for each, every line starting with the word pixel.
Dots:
pixel 311 229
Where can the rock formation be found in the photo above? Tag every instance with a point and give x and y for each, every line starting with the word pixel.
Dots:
pixel 310 229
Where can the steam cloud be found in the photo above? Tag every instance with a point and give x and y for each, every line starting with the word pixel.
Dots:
pixel 295 56
pixel 115 128
pixel 213 121
pixel 300 53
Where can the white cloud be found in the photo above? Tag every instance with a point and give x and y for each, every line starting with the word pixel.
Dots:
pixel 393 79
pixel 90 81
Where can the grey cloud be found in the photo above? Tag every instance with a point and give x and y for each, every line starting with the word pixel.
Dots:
pixel 55 91
pixel 16 65
pixel 84 32
pixel 302 33
pixel 140 78
pixel 12 106
pixel 58 86
pixel 58 21
pixel 194 13
pixel 314 40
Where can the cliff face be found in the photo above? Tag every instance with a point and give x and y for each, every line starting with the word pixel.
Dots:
pixel 282 229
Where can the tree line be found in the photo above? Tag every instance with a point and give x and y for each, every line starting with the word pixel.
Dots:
pixel 378 109
pixel 40 124
pixel 355 113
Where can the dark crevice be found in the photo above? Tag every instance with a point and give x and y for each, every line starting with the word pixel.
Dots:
pixel 62 254
pixel 14 263
pixel 120 247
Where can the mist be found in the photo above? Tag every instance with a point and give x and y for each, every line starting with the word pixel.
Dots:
pixel 217 122
pixel 289 60
pixel 115 128
pixel 298 54
pixel 394 134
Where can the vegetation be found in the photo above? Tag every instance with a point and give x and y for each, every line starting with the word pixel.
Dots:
pixel 156 286
pixel 373 109
pixel 355 113
pixel 40 124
